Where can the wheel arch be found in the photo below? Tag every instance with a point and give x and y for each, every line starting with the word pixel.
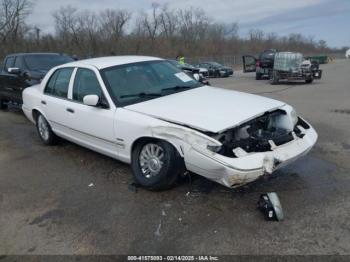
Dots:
pixel 36 112
pixel 152 138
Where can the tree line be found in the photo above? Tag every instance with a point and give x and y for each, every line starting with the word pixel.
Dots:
pixel 163 32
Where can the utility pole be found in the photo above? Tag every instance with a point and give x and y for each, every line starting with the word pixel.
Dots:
pixel 37 33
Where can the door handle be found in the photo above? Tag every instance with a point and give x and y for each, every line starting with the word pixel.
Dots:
pixel 70 110
pixel 43 102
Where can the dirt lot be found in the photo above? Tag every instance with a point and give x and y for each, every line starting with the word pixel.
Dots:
pixel 47 206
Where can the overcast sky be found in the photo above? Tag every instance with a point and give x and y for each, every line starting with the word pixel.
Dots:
pixel 323 19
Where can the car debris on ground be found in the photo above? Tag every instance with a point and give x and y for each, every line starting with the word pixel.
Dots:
pixel 269 204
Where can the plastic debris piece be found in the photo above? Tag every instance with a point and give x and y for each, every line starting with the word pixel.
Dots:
pixel 270 205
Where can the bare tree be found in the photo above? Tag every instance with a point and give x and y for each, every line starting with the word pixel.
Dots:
pixel 161 32
pixel 194 24
pixel 151 24
pixel 66 24
pixel 169 23
pixel 113 23
pixel 12 16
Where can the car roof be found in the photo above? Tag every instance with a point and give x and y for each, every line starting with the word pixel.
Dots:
pixel 270 50
pixel 24 54
pixel 105 62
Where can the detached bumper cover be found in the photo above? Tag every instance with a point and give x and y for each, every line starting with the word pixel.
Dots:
pixel 235 172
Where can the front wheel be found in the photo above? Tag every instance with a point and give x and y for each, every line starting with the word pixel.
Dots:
pixel 309 81
pixel 45 132
pixel 156 165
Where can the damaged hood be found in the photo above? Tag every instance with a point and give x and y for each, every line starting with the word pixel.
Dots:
pixel 207 108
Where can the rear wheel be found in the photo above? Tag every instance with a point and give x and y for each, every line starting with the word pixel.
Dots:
pixel 274 78
pixel 3 104
pixel 156 165
pixel 45 132
pixel 258 76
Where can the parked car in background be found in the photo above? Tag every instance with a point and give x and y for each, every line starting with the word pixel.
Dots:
pixel 319 59
pixel 26 69
pixel 194 72
pixel 215 69
pixel 263 65
pixel 347 54
pixel 146 112
pixel 203 71
pixel 293 66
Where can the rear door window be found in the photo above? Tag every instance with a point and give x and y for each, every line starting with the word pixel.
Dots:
pixel 19 63
pixel 59 83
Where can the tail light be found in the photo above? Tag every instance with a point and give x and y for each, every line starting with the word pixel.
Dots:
pixel 257 63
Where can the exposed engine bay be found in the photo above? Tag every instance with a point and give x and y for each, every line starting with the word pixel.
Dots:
pixel 261 134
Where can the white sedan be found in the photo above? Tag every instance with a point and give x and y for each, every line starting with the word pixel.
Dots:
pixel 146 112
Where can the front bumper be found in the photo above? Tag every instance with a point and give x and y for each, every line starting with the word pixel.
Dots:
pixel 224 74
pixel 235 172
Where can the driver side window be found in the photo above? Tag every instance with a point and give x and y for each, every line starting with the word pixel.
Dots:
pixel 85 83
pixel 9 63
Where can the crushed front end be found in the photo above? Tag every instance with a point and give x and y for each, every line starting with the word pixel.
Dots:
pixel 254 148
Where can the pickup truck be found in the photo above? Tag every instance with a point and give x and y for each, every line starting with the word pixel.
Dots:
pixel 263 65
pixel 23 70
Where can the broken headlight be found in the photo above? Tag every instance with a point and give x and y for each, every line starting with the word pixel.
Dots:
pixel 294 117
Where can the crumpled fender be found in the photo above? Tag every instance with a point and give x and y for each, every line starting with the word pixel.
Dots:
pixel 183 138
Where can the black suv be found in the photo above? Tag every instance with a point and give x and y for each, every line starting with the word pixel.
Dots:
pixel 263 65
pixel 22 70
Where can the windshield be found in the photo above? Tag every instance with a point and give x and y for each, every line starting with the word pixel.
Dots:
pixel 268 55
pixel 175 63
pixel 216 64
pixel 45 62
pixel 133 83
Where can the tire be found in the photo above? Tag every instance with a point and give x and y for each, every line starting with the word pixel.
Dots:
pixel 309 81
pixel 156 165
pixel 274 78
pixel 45 132
pixel 258 76
pixel 3 104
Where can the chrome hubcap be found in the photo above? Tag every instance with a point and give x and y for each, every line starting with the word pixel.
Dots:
pixel 151 160
pixel 43 128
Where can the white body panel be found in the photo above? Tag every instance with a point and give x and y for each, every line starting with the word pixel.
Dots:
pixel 114 131
pixel 195 108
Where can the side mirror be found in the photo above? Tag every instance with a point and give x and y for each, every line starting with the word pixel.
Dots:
pixel 14 70
pixel 196 76
pixel 91 100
